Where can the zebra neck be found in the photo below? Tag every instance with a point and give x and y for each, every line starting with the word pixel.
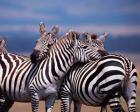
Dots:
pixel 3 56
pixel 3 51
pixel 60 63
pixel 11 56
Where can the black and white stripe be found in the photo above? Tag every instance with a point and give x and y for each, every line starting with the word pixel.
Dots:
pixel 14 70
pixel 23 81
pixel 100 83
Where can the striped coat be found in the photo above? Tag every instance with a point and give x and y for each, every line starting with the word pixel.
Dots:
pixel 100 83
pixel 22 81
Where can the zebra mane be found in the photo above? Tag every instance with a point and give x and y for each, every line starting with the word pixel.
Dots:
pixel 66 40
pixel 22 55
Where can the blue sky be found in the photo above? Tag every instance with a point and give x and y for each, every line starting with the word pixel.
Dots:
pixel 119 17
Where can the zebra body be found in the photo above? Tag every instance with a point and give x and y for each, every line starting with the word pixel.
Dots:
pixel 14 73
pixel 21 80
pixel 99 83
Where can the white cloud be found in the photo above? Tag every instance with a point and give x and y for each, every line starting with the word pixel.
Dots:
pixel 84 8
pixel 18 28
pixel 31 9
pixel 112 29
pixel 24 14
pixel 37 10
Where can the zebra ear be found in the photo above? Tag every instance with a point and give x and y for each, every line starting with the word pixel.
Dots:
pixel 74 36
pixel 2 43
pixel 42 28
pixel 103 37
pixel 87 37
pixel 55 30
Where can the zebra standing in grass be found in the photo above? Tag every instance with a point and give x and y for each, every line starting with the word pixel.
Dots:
pixel 15 70
pixel 22 81
pixel 100 83
pixel 63 59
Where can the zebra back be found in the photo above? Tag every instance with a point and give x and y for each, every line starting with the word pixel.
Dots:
pixel 96 83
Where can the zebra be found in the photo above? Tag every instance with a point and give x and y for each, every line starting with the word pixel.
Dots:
pixel 49 37
pixel 5 104
pixel 23 81
pixel 127 63
pixel 99 83
pixel 17 62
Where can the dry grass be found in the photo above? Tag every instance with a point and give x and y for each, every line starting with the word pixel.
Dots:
pixel 26 107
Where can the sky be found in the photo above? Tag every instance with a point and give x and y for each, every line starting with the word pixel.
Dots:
pixel 118 17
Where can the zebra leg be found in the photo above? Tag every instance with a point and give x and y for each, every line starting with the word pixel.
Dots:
pixel 66 103
pixel 49 102
pixel 103 109
pixel 114 103
pixel 34 102
pixel 129 91
pixel 2 101
pixel 77 106
pixel 5 105
pixel 34 99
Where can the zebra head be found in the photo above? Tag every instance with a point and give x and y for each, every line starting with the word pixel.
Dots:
pixel 84 51
pixel 97 42
pixel 43 44
pixel 2 46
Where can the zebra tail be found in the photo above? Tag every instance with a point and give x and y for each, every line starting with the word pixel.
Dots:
pixel 129 87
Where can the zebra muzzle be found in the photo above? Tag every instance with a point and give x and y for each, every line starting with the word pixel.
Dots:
pixel 35 56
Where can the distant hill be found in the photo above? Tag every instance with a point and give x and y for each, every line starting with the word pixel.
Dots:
pixel 25 42
pixel 130 44
pixel 20 42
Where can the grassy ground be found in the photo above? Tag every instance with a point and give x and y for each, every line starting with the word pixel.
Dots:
pixel 26 107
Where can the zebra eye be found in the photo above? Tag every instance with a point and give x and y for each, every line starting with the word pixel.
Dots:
pixel 44 42
pixel 49 45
